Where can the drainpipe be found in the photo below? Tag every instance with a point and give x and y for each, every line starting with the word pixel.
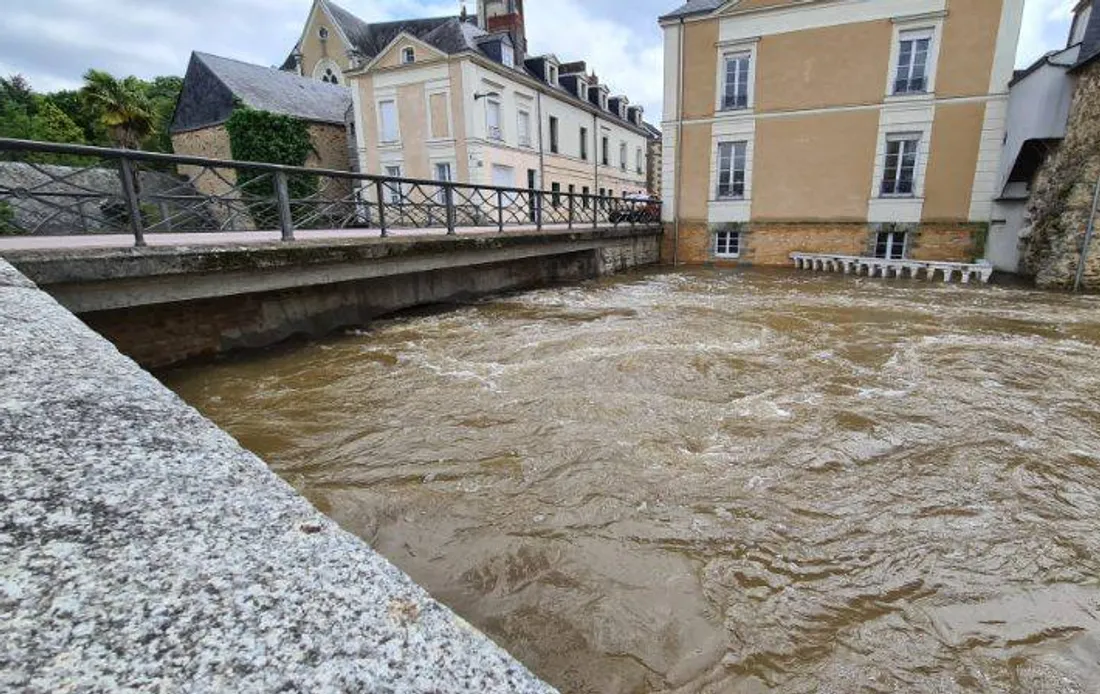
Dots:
pixel 597 152
pixel 542 157
pixel 1088 239
pixel 679 150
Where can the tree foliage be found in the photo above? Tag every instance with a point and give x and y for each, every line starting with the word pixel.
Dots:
pixel 107 112
pixel 274 139
pixel 123 106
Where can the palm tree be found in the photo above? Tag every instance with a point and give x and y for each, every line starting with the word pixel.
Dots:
pixel 124 108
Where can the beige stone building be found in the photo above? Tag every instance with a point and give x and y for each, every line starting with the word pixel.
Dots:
pixel 458 99
pixel 863 127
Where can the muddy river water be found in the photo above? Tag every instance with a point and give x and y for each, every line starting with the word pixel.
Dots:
pixel 711 481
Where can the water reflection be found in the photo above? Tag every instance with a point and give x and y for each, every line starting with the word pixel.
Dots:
pixel 719 482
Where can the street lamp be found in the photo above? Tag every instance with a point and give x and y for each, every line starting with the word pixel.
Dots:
pixel 486 95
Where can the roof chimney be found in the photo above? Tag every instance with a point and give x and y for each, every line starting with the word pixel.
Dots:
pixel 504 15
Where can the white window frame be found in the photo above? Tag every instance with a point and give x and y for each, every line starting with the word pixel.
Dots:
pixel 552 74
pixel 394 189
pixel 382 131
pixel 437 176
pixel 733 146
pixel 605 149
pixel 498 135
pixel 725 52
pixel 639 160
pixel 507 55
pixel 328 64
pixel 622 155
pixel 408 55
pixel 582 141
pixel 523 127
pixel 553 135
pixel 916 137
pixel 727 244
pixel 931 27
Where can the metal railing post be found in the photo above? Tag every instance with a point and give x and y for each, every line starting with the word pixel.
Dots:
pixel 282 195
pixel 538 210
pixel 500 211
pixel 570 211
pixel 449 201
pixel 133 205
pixel 380 193
pixel 596 202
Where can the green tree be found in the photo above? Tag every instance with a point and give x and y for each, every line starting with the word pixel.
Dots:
pixel 84 114
pixel 51 124
pixel 162 92
pixel 123 106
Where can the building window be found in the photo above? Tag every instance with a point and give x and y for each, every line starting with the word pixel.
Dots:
pixel 394 189
pixel 584 144
pixel 327 71
pixel 727 244
pixel 387 114
pixel 555 194
pixel 622 156
pixel 914 49
pixel 731 169
pixel 605 150
pixel 408 55
pixel 639 160
pixel 553 135
pixel 492 119
pixel 507 55
pixel 735 92
pixel 585 192
pixel 890 245
pixel 552 75
pixel 524 127
pixel 900 168
pixel 443 175
pixel 322 34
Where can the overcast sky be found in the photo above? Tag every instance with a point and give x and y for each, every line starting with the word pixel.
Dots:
pixel 52 42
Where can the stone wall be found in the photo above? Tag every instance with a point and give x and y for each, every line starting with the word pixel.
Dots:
pixel 1061 200
pixel 770 244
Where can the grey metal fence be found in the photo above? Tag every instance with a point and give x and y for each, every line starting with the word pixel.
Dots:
pixel 56 189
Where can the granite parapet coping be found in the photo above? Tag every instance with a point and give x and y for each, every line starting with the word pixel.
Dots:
pixel 142 549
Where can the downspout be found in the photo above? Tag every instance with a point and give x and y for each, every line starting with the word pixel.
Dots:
pixel 542 156
pixel 679 148
pixel 1088 239
pixel 597 152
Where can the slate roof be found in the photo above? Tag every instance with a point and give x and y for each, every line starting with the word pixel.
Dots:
pixel 214 85
pixel 692 7
pixel 448 34
pixel 1090 44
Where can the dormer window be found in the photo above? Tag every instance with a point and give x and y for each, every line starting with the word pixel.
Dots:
pixel 507 55
pixel 552 75
pixel 603 101
pixel 408 55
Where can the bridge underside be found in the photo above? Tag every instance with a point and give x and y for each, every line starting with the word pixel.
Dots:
pixel 163 305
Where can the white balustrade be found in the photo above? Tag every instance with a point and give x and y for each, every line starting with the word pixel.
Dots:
pixel 881 267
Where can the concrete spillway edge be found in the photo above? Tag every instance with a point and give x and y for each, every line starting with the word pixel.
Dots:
pixel 141 548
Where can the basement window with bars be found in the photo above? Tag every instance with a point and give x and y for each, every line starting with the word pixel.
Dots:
pixel 900 168
pixel 727 244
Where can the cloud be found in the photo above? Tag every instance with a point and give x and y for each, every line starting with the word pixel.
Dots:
pixel 1045 27
pixel 612 50
pixel 52 42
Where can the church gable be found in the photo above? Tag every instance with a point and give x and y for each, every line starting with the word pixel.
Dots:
pixel 323 46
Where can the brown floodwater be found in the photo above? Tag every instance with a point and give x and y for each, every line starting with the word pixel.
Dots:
pixel 710 481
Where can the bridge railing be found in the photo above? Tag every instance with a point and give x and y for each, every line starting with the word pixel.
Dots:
pixel 50 189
